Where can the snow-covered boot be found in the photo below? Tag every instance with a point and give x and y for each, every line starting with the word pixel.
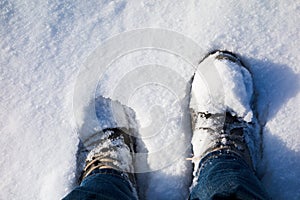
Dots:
pixel 221 113
pixel 113 146
pixel 113 151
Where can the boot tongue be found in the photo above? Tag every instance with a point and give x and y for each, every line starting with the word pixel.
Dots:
pixel 202 120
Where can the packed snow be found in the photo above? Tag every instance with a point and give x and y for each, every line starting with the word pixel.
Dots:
pixel 46 45
pixel 222 93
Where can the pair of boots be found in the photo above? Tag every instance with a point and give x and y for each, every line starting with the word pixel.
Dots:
pixel 221 114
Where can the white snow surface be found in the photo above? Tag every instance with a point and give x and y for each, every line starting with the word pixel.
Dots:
pixel 44 44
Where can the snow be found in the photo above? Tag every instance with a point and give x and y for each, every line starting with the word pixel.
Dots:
pixel 238 95
pixel 46 44
pixel 231 88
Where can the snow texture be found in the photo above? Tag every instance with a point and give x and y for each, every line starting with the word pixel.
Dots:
pixel 109 114
pixel 43 45
pixel 232 88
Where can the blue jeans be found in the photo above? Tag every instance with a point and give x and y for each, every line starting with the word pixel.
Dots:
pixel 104 184
pixel 224 175
pixel 221 176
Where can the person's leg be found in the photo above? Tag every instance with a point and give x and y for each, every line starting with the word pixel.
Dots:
pixel 225 138
pixel 104 184
pixel 225 175
pixel 109 168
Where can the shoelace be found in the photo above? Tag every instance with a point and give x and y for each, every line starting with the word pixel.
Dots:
pixel 227 130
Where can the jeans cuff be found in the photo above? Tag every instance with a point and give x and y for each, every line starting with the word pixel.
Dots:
pixel 225 153
pixel 111 172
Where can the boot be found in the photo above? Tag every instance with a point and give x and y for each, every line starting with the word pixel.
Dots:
pixel 113 147
pixel 222 121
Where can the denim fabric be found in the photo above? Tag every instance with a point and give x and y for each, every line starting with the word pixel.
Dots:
pixel 224 175
pixel 103 184
pixel 221 176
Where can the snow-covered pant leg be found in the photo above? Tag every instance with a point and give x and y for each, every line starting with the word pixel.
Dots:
pixel 224 175
pixel 104 184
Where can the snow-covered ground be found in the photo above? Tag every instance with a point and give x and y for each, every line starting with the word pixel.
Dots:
pixel 46 44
